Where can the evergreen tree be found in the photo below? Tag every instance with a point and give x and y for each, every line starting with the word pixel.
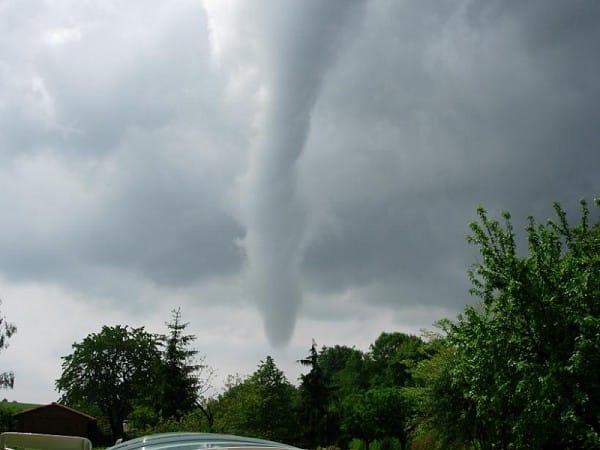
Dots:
pixel 180 374
pixel 315 395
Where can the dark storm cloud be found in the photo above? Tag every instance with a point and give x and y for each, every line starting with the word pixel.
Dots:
pixel 166 219
pixel 151 151
pixel 352 149
pixel 438 110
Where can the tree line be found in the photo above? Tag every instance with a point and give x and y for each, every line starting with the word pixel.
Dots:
pixel 517 369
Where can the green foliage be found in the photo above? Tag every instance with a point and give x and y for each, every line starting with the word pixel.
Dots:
pixel 111 370
pixel 276 411
pixel 143 417
pixel 444 416
pixel 346 371
pixel 7 411
pixel 367 394
pixel 263 405
pixel 17 406
pixel 7 329
pixel 376 413
pixel 316 393
pixel 526 359
pixel 393 356
pixel 180 381
pixel 194 421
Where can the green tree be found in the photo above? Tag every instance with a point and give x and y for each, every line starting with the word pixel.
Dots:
pixel 444 417
pixel 315 397
pixel 275 415
pixel 179 374
pixel 263 405
pixel 527 357
pixel 345 369
pixel 393 356
pixel 111 370
pixel 378 413
pixel 7 379
pixel 7 416
pixel 234 405
pixel 346 372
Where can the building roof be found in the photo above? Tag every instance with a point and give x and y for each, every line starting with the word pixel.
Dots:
pixel 55 405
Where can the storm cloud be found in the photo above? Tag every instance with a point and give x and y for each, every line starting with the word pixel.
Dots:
pixel 311 165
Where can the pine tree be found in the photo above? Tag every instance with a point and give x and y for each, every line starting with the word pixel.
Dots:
pixel 315 394
pixel 180 372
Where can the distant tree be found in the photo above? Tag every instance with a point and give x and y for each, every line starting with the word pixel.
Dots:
pixel 7 379
pixel 111 370
pixel 526 359
pixel 180 381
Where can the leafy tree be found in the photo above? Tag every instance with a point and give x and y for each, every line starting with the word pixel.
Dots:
pixel 263 405
pixel 527 358
pixel 444 418
pixel 393 356
pixel 7 379
pixel 7 416
pixel 345 369
pixel 233 406
pixel 111 370
pixel 346 372
pixel 179 374
pixel 379 412
pixel 358 420
pixel 275 415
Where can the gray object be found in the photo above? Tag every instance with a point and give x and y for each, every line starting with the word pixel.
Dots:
pixel 197 441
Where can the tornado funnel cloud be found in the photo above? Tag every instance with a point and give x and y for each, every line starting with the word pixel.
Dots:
pixel 295 60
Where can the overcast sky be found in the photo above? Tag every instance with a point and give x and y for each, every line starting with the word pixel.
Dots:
pixel 280 170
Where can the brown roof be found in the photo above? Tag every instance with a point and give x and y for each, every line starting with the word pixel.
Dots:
pixel 57 405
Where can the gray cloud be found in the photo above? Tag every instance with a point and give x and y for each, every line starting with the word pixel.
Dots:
pixel 115 147
pixel 344 145
pixel 437 110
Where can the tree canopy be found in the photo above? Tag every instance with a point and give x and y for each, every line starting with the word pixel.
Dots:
pixel 526 359
pixel 263 405
pixel 111 370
